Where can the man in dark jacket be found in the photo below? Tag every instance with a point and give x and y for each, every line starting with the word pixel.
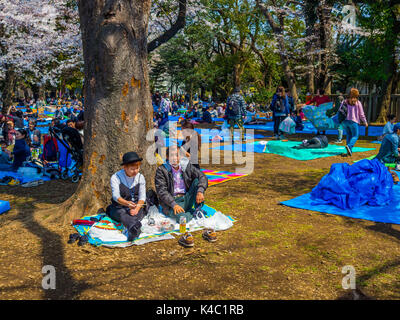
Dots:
pixel 180 186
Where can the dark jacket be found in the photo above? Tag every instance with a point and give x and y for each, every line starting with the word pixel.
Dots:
pixel 21 152
pixel 165 184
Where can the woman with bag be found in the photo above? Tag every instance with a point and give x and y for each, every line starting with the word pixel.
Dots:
pixel 281 109
pixel 351 115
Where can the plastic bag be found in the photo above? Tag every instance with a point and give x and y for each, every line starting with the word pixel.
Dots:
pixel 288 126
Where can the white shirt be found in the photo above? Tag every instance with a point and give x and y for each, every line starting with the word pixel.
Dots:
pixel 130 182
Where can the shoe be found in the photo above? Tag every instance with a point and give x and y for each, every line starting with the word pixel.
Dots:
pixel 338 141
pixel 397 168
pixel 186 240
pixel 73 237
pixel 349 153
pixel 14 182
pixel 209 235
pixel 83 240
pixel 30 184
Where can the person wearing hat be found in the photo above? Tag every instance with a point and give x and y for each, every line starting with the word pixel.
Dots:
pixel 128 203
pixel 389 150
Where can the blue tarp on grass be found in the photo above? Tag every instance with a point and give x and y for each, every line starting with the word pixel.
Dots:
pixel 387 213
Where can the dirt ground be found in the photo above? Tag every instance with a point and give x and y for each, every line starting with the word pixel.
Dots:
pixel 272 252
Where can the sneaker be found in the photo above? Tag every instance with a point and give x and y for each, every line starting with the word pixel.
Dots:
pixel 349 153
pixel 14 182
pixel 397 168
pixel 338 141
pixel 186 240
pixel 209 235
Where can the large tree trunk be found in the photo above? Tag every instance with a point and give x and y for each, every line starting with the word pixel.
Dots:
pixel 325 34
pixel 392 64
pixel 310 19
pixel 118 110
pixel 8 90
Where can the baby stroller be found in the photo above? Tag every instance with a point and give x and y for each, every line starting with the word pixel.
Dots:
pixel 70 139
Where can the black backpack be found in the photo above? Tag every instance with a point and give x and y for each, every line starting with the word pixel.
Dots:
pixel 233 107
pixel 342 112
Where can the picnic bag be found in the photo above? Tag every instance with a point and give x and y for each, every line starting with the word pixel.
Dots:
pixel 288 126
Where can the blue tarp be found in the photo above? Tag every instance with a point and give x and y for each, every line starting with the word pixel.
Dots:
pixel 370 193
pixel 4 206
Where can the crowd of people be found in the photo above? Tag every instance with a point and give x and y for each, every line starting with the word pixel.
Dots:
pixel 20 136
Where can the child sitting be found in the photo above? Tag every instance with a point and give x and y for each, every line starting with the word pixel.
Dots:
pixel 128 195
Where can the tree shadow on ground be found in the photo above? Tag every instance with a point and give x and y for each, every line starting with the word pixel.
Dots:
pixel 358 293
pixel 52 253
pixel 385 228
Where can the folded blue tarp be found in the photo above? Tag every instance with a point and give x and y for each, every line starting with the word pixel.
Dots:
pixel 367 193
pixel 4 206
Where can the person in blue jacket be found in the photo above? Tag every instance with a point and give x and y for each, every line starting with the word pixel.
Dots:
pixel 21 149
pixel 281 109
pixel 389 150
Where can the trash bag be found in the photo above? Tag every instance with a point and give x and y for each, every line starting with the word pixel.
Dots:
pixel 288 126
pixel 367 182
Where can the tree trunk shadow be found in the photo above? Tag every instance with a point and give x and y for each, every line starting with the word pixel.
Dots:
pixel 67 288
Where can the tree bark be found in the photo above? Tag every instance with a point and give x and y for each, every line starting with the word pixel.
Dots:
pixel 392 65
pixel 118 110
pixel 10 80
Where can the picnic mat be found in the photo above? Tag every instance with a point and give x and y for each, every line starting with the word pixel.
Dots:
pixel 254 146
pixel 4 206
pixel 217 177
pixel 24 176
pixel 109 233
pixel 285 149
pixel 390 165
pixel 386 214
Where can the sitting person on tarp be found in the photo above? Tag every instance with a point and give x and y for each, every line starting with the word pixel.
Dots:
pixel 297 119
pixel 389 150
pixel 318 142
pixel 5 157
pixel 128 203
pixel 388 128
pixel 180 186
pixel 21 149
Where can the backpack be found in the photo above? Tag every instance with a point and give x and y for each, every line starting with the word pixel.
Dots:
pixel 233 107
pixel 50 149
pixel 342 112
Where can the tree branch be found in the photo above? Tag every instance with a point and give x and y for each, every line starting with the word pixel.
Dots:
pixel 171 32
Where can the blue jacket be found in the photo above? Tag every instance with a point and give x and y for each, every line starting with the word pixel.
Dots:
pixel 388 152
pixel 21 151
pixel 278 112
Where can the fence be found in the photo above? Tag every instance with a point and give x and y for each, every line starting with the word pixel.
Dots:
pixel 371 105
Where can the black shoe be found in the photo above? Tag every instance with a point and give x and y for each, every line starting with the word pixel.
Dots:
pixel 349 153
pixel 83 240
pixel 73 237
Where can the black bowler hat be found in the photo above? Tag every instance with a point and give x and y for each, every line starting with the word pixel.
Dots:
pixel 130 157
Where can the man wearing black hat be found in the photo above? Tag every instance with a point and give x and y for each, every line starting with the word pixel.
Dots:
pixel 128 195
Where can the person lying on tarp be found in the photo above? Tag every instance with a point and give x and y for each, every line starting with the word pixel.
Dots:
pixel 180 186
pixel 318 142
pixel 128 203
pixel 389 150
